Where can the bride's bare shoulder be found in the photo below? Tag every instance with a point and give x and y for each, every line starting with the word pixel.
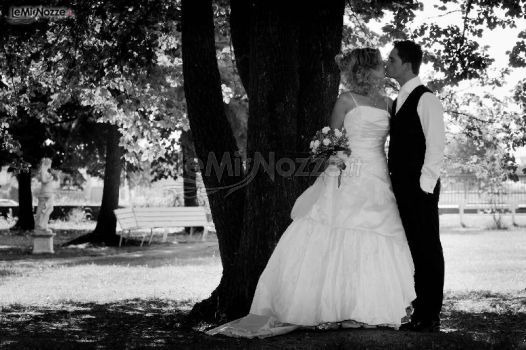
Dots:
pixel 347 99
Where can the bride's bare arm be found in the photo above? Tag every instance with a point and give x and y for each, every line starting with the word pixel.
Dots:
pixel 341 107
pixel 389 104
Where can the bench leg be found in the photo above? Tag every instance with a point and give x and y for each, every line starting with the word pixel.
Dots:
pixel 123 238
pixel 151 236
pixel 143 238
pixel 205 233
pixel 192 231
pixel 165 235
pixel 513 209
pixel 461 214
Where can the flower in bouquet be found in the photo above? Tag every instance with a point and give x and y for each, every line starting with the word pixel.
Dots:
pixel 327 142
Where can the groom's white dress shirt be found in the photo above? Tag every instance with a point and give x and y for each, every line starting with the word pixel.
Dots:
pixel 430 112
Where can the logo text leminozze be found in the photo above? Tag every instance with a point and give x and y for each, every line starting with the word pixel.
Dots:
pixel 28 14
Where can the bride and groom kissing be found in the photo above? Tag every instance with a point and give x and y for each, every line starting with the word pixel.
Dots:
pixel 366 252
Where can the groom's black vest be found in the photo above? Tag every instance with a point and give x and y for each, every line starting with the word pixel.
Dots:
pixel 407 143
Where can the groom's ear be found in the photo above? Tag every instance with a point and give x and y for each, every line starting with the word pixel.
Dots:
pixel 407 66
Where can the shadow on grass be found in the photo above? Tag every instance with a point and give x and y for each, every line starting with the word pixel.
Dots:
pixel 494 318
pixel 157 324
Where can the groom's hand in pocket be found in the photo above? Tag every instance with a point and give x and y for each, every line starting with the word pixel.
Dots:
pixel 425 192
pixel 426 186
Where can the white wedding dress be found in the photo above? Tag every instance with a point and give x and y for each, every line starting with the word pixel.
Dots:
pixel 345 255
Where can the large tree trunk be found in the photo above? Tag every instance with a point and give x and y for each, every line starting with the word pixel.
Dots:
pixel 240 17
pixel 189 172
pixel 105 231
pixel 292 85
pixel 189 178
pixel 214 143
pixel 320 41
pixel 273 109
pixel 25 221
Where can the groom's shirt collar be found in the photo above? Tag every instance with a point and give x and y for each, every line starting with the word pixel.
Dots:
pixel 410 85
pixel 405 90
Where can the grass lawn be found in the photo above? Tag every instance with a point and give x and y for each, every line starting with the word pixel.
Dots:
pixel 133 297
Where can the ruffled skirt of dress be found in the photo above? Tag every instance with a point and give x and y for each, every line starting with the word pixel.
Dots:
pixel 344 257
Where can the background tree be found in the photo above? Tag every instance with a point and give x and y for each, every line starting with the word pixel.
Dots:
pixel 487 130
pixel 120 61
pixel 21 99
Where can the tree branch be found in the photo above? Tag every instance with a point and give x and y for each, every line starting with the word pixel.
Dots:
pixel 62 121
pixel 240 15
pixel 444 14
pixel 211 130
pixel 469 116
pixel 469 4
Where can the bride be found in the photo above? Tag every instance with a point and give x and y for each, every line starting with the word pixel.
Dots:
pixel 344 260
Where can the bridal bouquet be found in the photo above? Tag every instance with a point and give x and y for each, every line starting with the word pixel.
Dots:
pixel 327 142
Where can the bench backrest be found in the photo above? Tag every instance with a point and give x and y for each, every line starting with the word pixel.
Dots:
pixel 152 217
pixel 126 218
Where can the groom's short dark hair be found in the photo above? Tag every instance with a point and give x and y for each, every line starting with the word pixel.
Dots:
pixel 411 52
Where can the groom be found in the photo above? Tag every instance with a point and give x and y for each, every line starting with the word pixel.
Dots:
pixel 416 150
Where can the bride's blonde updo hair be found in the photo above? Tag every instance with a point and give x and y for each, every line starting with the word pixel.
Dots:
pixel 356 66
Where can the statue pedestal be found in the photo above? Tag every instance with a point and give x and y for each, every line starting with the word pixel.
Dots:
pixel 43 241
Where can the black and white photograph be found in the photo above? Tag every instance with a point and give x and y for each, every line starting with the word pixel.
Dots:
pixel 259 174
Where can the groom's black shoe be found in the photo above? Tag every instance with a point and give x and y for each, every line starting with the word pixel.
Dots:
pixel 421 326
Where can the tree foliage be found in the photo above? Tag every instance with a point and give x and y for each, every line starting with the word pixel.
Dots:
pixel 120 60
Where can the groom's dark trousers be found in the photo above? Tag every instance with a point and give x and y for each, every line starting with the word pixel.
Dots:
pixel 418 209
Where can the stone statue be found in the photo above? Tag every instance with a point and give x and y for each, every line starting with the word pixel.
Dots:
pixel 42 235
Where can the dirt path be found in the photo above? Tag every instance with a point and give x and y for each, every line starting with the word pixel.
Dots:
pixel 153 256
pixel 16 250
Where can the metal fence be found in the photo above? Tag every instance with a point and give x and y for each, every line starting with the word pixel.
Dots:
pixel 468 189
pixel 454 190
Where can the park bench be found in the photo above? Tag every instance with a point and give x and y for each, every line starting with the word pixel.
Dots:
pixel 132 220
